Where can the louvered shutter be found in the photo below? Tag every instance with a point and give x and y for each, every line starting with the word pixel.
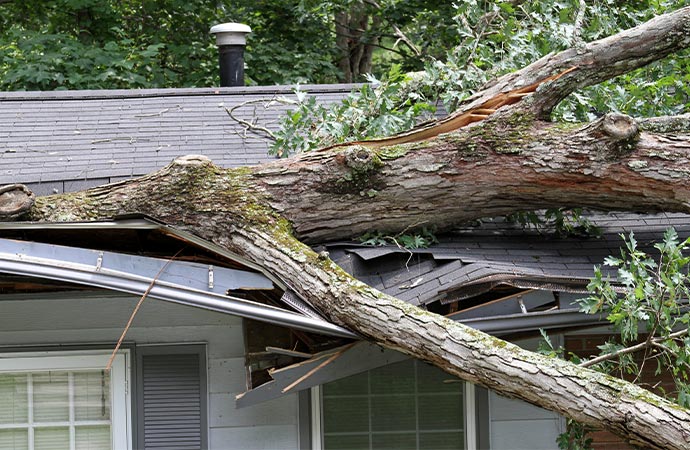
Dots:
pixel 172 412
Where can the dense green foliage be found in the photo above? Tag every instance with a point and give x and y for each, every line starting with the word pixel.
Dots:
pixel 653 301
pixel 85 44
pixel 380 108
pixel 492 38
pixel 647 306
pixel 77 44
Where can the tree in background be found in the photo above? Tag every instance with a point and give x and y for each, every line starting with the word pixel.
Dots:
pixel 94 44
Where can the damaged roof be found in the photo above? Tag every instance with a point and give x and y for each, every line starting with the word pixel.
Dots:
pixel 494 275
pixel 476 259
pixel 71 140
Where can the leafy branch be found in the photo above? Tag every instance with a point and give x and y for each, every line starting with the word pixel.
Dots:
pixel 655 297
pixel 564 221
pixel 651 293
pixel 423 238
pixel 380 108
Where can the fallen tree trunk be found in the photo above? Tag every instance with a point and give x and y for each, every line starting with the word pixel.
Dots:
pixel 221 206
pixel 509 161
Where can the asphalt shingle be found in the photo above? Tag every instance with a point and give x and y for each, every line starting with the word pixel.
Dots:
pixel 77 136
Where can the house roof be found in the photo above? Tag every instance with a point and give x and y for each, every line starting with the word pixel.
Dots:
pixel 70 140
pixel 63 141
pixel 67 141
pixel 476 259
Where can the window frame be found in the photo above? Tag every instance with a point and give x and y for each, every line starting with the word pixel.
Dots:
pixel 470 419
pixel 120 381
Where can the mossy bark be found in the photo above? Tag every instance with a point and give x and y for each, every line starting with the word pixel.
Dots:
pixel 506 163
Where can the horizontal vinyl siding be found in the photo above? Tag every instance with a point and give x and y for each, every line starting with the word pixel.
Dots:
pixel 516 425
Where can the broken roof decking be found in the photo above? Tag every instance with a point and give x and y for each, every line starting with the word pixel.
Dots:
pixel 476 259
pixel 65 141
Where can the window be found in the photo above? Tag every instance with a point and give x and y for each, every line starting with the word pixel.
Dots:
pixel 407 405
pixel 64 401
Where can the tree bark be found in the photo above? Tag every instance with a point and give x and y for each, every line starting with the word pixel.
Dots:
pixel 356 33
pixel 509 161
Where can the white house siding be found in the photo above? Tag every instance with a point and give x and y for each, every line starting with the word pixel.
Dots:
pixel 82 318
pixel 516 425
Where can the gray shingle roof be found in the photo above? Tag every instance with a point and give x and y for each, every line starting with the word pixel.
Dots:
pixel 70 140
pixel 476 259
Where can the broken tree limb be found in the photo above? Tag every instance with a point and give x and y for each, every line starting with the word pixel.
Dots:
pixel 503 164
pixel 579 67
pixel 15 200
pixel 597 61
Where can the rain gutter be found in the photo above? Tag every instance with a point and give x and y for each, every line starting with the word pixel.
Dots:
pixel 43 261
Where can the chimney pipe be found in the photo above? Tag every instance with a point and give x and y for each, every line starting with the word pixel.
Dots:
pixel 231 39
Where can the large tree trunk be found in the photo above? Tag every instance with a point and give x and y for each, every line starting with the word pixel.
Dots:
pixel 511 160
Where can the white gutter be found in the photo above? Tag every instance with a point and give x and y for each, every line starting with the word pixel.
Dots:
pixel 48 261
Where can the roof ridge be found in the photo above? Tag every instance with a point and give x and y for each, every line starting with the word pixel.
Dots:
pixel 102 94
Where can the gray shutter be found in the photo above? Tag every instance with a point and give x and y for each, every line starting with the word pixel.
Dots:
pixel 172 399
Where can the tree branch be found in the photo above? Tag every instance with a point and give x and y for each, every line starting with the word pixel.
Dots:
pixel 502 164
pixel 596 62
pixel 633 348
pixel 398 32
pixel 666 124
pixel 252 126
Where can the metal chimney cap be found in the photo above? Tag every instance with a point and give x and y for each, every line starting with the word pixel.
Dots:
pixel 231 33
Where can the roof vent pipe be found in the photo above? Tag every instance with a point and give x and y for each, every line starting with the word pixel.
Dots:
pixel 231 39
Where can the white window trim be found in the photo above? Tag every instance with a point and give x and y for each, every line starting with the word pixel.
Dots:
pixel 120 390
pixel 469 413
pixel 470 416
pixel 316 418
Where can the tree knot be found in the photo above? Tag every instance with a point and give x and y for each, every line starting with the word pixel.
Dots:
pixel 614 135
pixel 618 126
pixel 15 200
pixel 192 160
pixel 361 159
